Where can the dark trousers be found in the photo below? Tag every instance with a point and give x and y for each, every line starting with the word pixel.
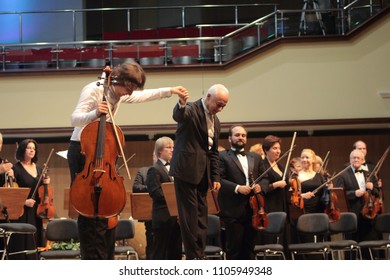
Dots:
pixel 97 242
pixel 192 207
pixel 240 239
pixel 167 243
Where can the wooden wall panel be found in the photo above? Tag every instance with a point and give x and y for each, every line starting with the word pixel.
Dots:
pixel 339 146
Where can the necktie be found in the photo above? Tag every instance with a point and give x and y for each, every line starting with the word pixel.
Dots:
pixel 240 152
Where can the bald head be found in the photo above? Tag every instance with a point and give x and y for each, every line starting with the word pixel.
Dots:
pixel 216 98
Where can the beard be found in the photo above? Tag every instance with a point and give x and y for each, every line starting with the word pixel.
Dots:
pixel 238 145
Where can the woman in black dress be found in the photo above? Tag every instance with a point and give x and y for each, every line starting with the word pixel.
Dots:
pixel 27 174
pixel 272 184
pixel 310 180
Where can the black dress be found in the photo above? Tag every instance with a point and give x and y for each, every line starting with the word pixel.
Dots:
pixel 275 199
pixel 22 242
pixel 314 204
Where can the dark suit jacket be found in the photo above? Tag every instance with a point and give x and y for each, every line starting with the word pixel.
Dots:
pixel 191 153
pixel 139 185
pixel 158 174
pixel 235 205
pixel 348 181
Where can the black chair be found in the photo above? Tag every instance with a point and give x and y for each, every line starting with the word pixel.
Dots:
pixel 382 226
pixel 275 229
pixel 64 233
pixel 9 229
pixel 346 225
pixel 125 230
pixel 314 227
pixel 213 248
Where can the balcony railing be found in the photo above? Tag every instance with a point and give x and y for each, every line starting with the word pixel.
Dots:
pixel 201 44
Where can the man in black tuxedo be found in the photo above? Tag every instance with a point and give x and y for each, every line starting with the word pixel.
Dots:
pixel 355 185
pixel 167 244
pixel 194 164
pixel 237 169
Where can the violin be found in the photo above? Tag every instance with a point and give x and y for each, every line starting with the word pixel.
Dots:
pixel 256 202
pixel 46 209
pixel 9 181
pixel 296 197
pixel 98 191
pixel 371 205
pixel 331 210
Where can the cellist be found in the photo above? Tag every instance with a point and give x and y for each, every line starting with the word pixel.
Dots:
pixel 354 183
pixel 97 241
pixel 236 167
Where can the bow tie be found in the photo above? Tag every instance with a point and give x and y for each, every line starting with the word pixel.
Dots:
pixel 237 152
pixel 167 163
pixel 358 170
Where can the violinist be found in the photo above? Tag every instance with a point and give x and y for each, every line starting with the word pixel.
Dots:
pixel 97 240
pixel 355 185
pixel 272 184
pixel 27 174
pixel 236 165
pixel 310 180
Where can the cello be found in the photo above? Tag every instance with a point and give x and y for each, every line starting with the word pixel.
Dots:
pixel 98 191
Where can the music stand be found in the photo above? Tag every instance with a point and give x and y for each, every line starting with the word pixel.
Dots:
pixel 170 198
pixel 141 206
pixel 13 202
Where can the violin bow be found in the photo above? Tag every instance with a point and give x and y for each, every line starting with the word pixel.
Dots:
pixel 289 155
pixel 269 168
pixel 120 167
pixel 44 170
pixel 379 164
pixel 330 179
pixel 108 70
pixel 325 162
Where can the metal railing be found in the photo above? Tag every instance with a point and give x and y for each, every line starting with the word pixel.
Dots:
pixel 209 50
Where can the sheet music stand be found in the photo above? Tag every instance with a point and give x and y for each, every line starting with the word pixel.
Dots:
pixel 13 202
pixel 141 206
pixel 170 198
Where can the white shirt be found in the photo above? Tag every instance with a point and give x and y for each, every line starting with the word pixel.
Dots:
pixel 360 179
pixel 244 163
pixel 86 108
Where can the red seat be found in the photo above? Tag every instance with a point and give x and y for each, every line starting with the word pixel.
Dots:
pixel 140 34
pixel 185 50
pixel 93 53
pixel 151 51
pixel 166 33
pixel 121 35
pixel 125 52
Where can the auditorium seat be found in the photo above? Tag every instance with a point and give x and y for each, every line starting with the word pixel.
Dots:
pixel 92 57
pixel 121 54
pixel 119 35
pixel 141 34
pixel 169 33
pixel 185 54
pixel 151 55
